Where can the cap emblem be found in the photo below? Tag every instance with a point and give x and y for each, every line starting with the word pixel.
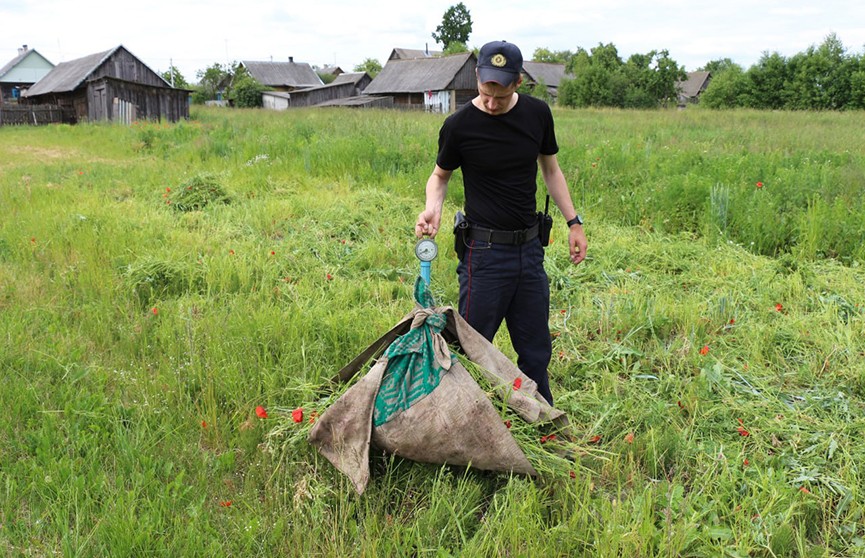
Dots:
pixel 498 60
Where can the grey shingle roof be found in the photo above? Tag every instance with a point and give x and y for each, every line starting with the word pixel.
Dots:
pixel 419 75
pixel 67 76
pixel 550 74
pixel 282 74
pixel 409 53
pixel 692 86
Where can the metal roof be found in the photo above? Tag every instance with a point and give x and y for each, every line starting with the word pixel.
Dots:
pixel 419 74
pixel 282 74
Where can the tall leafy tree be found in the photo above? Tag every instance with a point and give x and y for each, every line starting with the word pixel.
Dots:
pixel 456 26
pixel 768 82
pixel 173 76
pixel 370 66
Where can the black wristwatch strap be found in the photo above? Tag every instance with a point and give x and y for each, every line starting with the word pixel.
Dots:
pixel 575 221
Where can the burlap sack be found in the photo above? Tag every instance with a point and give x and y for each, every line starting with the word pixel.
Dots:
pixel 454 424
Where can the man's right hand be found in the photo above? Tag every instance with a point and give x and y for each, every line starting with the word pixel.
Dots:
pixel 428 222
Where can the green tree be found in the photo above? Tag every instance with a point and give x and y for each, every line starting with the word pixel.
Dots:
pixel 246 90
pixel 455 47
pixel 767 82
pixel 370 66
pixel 551 56
pixel 211 82
pixel 727 89
pixel 719 65
pixel 820 77
pixel 456 26
pixel 173 76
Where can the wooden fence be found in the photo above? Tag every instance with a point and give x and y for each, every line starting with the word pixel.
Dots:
pixel 33 115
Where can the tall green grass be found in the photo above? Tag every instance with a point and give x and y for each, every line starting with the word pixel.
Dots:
pixel 137 338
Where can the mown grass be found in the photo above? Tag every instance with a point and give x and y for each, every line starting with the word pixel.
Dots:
pixel 142 323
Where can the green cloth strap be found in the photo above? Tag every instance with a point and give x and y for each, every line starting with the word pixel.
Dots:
pixel 413 371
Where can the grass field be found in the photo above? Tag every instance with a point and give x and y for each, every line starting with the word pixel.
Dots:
pixel 158 283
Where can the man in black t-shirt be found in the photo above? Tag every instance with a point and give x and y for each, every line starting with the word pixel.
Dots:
pixel 500 140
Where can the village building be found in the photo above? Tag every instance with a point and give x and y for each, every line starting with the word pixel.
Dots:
pixel 283 76
pixel 111 85
pixel 544 73
pixel 20 73
pixel 412 53
pixel 691 89
pixel 436 84
pixel 344 86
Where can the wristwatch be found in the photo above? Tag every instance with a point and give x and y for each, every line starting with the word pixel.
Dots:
pixel 575 221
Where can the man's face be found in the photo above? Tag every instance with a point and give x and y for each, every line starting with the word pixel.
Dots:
pixel 496 98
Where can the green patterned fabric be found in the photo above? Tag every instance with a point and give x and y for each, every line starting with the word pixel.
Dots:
pixel 413 369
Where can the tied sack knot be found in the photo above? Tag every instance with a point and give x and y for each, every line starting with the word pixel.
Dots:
pixel 436 322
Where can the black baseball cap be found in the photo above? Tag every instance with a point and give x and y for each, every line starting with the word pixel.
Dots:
pixel 501 62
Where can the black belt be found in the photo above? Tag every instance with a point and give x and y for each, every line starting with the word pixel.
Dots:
pixel 503 237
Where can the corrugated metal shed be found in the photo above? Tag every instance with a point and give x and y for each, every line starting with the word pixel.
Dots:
pixel 425 74
pixel 282 75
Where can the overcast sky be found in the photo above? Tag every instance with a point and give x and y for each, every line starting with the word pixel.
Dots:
pixel 194 34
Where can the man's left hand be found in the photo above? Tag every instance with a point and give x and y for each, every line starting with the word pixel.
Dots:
pixel 577 244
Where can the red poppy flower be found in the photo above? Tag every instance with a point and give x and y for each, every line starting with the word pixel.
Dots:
pixel 507 424
pixel 155 310
pixel 272 253
pixel 732 321
pixel 595 439
pixel 705 350
pixel 261 412
pixel 204 424
pixel 231 252
pixel 544 439
pixel 32 240
pixel 746 462
pixel 167 189
pixel 804 490
pixel 779 307
pixel 629 437
pixel 312 416
pixel 742 432
pixel 297 415
pixel 518 383
pixel 759 185
pixel 225 503
pixel 329 277
pixel 572 474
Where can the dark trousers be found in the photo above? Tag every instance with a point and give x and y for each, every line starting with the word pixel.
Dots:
pixel 505 282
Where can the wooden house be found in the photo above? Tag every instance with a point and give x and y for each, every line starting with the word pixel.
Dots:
pixel 548 74
pixel 412 53
pixel 111 85
pixel 283 76
pixel 344 86
pixel 433 84
pixel 20 73
pixel 691 89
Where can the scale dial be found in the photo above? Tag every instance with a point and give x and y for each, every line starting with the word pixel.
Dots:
pixel 426 250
